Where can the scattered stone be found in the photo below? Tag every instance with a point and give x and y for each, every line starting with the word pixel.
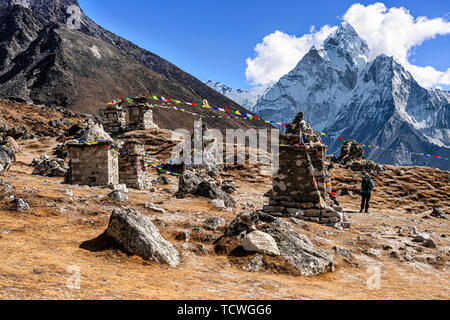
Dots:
pixel 260 242
pixel 298 249
pixel 371 252
pixel 438 213
pixel 7 156
pixel 161 181
pixel 200 248
pixel 343 252
pixel 228 186
pixel 256 263
pixel 198 229
pixel 214 223
pixel 153 207
pixel 136 234
pixel 119 196
pixel 44 166
pixel 21 205
pixel 220 204
pixel 168 191
pixel 243 223
pixel 183 236
pixel 203 186
pixel 248 205
pixel 68 192
pixel 425 240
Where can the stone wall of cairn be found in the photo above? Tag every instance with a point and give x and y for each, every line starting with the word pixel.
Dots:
pixel 140 117
pixel 132 166
pixel 114 119
pixel 93 165
pixel 299 186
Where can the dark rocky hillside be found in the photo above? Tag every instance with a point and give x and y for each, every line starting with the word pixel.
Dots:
pixel 42 61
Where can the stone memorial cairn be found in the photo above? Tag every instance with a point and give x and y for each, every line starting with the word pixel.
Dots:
pixel 114 119
pixel 133 166
pixel 299 186
pixel 92 163
pixel 140 115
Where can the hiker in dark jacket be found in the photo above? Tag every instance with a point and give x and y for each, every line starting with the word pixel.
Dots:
pixel 366 191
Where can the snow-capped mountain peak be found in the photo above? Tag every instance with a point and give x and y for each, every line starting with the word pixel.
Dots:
pixel 377 102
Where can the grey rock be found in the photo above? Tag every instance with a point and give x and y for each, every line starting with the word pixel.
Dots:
pixel 243 223
pixel 214 223
pixel 161 181
pixel 343 252
pixel 154 207
pixel 136 234
pixel 183 236
pixel 220 204
pixel 7 156
pixel 298 249
pixel 261 242
pixel 228 186
pixel 45 166
pixel 256 263
pixel 118 195
pixel 194 184
pixel 438 213
pixel 67 192
pixel 21 205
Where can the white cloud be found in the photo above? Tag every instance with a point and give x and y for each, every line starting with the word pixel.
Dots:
pixel 279 53
pixel 394 32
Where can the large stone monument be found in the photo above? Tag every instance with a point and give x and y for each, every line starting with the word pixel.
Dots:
pixel 114 119
pixel 299 186
pixel 92 162
pixel 140 115
pixel 133 167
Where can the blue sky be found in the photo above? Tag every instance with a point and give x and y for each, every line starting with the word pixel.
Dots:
pixel 212 39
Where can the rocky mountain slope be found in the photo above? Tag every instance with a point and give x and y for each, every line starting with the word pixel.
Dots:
pixel 245 98
pixel 377 102
pixel 45 62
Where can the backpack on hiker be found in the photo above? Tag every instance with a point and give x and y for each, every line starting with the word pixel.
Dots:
pixel 366 184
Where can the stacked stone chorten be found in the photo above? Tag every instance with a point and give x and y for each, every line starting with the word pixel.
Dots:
pixel 299 185
pixel 133 167
pixel 140 115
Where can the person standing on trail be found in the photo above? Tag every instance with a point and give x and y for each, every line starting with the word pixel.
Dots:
pixel 366 192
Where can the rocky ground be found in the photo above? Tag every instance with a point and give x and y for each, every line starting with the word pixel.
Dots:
pixel 56 228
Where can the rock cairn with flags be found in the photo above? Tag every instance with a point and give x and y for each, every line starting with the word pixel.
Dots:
pixel 140 115
pixel 299 186
pixel 90 162
pixel 114 119
pixel 133 167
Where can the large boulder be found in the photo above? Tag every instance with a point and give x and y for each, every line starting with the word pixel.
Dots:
pixel 298 249
pixel 260 242
pixel 137 235
pixel 295 247
pixel 203 186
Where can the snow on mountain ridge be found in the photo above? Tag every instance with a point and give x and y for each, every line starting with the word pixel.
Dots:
pixel 375 101
pixel 245 98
